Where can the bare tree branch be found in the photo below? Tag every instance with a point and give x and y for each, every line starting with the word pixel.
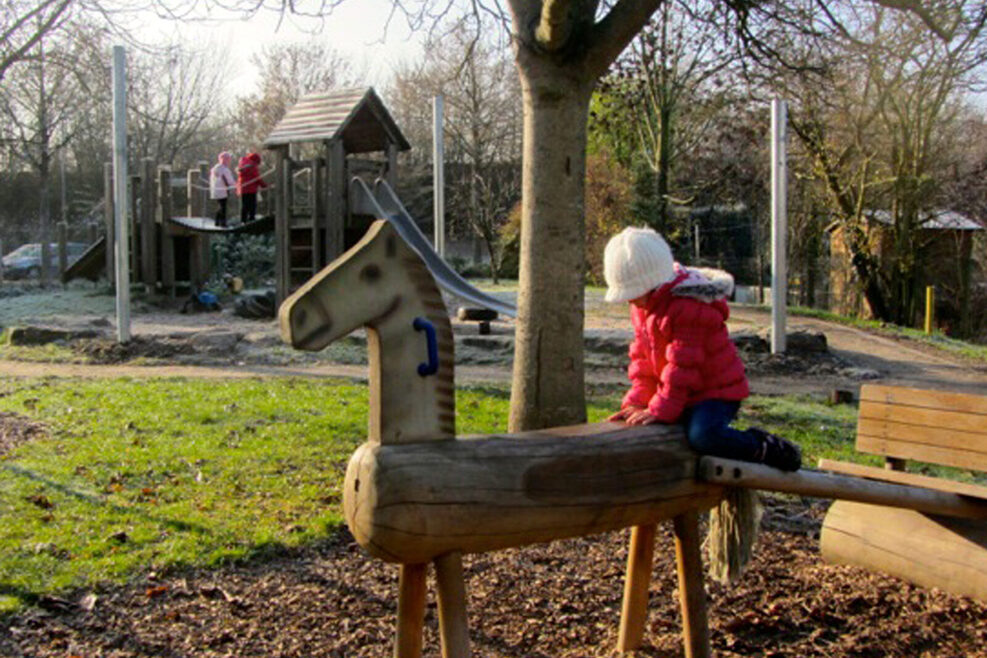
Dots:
pixel 611 35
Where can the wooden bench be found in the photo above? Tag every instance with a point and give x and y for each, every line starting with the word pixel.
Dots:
pixel 934 427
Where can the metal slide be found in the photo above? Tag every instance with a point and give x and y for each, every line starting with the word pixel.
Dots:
pixel 383 203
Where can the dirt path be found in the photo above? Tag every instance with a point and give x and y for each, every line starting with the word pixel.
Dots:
pixel 888 361
pixel 464 374
pixel 898 362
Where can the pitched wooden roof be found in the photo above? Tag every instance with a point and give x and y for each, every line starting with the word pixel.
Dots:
pixel 357 115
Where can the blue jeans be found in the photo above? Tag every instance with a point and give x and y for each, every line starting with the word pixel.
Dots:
pixel 707 426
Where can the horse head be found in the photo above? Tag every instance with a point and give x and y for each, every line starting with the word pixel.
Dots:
pixel 382 284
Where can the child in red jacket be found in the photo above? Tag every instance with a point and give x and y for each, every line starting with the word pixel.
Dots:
pixel 684 368
pixel 248 183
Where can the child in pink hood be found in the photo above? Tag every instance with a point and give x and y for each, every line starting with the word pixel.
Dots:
pixel 221 182
pixel 684 368
pixel 248 183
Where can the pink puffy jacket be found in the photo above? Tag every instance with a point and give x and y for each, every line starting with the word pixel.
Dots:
pixel 682 353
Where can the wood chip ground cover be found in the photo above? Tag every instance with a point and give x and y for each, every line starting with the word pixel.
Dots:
pixel 561 599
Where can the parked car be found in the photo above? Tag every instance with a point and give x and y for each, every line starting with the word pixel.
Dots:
pixel 25 261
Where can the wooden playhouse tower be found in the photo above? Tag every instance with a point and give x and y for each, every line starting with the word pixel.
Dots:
pixel 315 147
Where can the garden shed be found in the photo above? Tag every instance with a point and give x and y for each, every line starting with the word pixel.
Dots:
pixel 945 242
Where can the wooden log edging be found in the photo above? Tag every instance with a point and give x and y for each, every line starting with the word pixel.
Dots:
pixel 807 482
pixel 927 550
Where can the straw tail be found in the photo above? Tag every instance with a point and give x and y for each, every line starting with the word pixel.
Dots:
pixel 733 530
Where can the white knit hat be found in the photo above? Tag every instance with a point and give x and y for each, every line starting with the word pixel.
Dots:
pixel 636 261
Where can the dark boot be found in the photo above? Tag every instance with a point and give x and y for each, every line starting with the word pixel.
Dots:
pixel 777 452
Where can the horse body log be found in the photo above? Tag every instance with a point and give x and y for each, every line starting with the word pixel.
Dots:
pixel 410 503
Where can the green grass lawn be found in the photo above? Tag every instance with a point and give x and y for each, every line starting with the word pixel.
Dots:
pixel 140 475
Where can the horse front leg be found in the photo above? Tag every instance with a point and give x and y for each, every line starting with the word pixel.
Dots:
pixel 634 613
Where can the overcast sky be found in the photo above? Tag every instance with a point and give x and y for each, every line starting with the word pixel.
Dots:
pixel 356 29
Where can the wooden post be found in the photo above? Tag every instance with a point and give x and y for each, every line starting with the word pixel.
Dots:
pixel 282 229
pixel 336 214
pixel 930 305
pixel 640 558
pixel 167 242
pixel 318 215
pixel 63 248
pixel 108 221
pixel 135 229
pixel 411 611
pixel 692 593
pixel 202 188
pixel 205 260
pixel 148 232
pixel 453 624
pixel 190 198
pixel 392 165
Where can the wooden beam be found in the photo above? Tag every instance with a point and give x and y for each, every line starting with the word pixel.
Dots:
pixel 901 477
pixel 829 485
pixel 634 614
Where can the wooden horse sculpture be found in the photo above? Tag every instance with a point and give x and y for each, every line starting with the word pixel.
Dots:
pixel 415 494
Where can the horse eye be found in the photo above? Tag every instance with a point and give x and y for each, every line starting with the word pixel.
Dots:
pixel 370 273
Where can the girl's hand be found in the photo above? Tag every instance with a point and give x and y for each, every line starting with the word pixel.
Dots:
pixel 642 417
pixel 625 413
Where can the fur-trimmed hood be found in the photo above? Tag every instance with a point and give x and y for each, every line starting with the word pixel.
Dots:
pixel 703 283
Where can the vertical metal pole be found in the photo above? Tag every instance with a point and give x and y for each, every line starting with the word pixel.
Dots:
pixel 930 305
pixel 122 230
pixel 779 225
pixel 438 175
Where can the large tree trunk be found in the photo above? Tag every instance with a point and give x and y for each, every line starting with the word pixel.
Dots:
pixel 548 358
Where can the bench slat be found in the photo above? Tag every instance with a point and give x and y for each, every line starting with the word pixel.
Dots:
pixel 890 447
pixel 901 477
pixel 930 426
pixel 936 420
pixel 960 449
pixel 917 397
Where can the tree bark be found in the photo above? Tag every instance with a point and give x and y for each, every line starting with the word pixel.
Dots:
pixel 547 387
pixel 561 51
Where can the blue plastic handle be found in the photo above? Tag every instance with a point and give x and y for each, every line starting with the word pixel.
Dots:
pixel 432 367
